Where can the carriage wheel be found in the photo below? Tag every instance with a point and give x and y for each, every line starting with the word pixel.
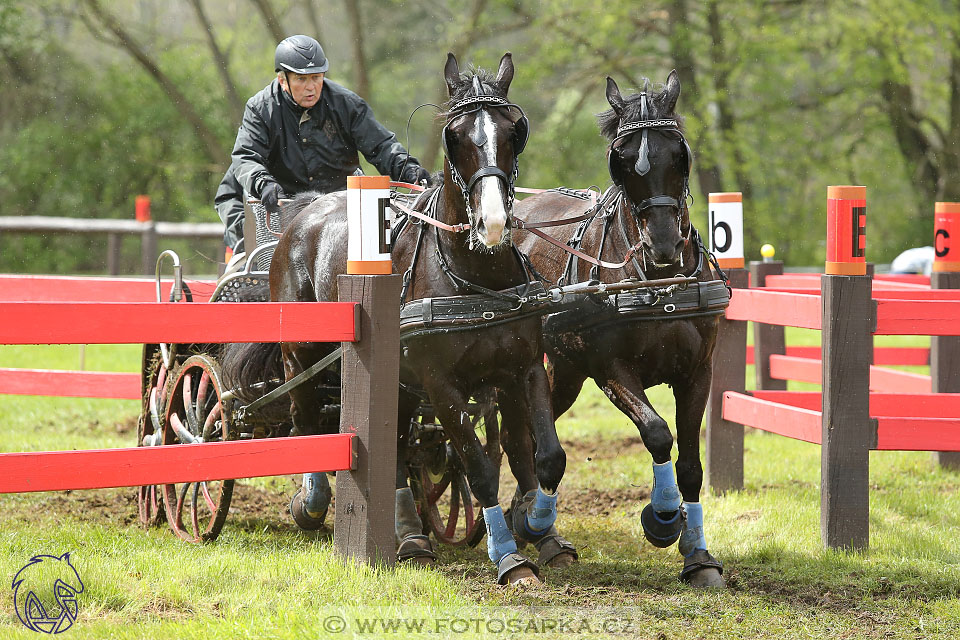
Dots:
pixel 196 511
pixel 440 486
pixel 149 498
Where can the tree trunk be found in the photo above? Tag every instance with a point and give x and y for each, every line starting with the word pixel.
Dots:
pixel 211 146
pixel 361 78
pixel 916 148
pixel 460 45
pixel 726 120
pixel 708 164
pixel 270 19
pixel 314 20
pixel 223 68
pixel 951 152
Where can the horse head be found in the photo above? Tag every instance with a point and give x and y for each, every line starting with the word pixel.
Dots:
pixel 482 140
pixel 650 160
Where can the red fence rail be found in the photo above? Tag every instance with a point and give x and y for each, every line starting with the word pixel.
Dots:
pixel 849 418
pixel 366 322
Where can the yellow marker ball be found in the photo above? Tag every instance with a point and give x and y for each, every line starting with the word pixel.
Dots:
pixel 767 251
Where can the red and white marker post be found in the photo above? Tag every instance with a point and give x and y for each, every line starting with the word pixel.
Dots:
pixel 726 228
pixel 369 225
pixel 724 451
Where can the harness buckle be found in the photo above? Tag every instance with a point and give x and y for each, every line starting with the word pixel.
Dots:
pixel 488 315
pixel 669 307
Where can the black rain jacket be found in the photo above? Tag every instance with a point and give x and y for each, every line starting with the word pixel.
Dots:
pixel 311 149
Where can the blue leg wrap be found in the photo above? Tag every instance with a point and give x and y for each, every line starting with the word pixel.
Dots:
pixel 500 541
pixel 542 513
pixel 316 493
pixel 692 537
pixel 665 497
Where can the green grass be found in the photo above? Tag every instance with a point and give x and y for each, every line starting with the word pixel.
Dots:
pixel 262 578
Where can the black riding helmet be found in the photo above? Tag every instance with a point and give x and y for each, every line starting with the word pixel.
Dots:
pixel 300 54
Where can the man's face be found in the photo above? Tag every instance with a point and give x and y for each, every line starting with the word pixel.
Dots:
pixel 304 89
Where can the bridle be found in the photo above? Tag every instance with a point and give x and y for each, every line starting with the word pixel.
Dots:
pixel 642 166
pixel 471 105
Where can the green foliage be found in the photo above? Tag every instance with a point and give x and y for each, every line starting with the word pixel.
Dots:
pixel 781 99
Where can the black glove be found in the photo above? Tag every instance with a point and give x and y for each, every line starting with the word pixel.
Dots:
pixel 270 197
pixel 416 174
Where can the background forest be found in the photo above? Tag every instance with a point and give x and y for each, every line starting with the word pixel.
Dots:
pixel 100 101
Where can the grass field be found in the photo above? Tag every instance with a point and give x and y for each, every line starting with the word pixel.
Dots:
pixel 263 578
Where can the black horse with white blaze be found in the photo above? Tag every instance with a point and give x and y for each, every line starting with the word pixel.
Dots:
pixel 482 138
pixel 640 229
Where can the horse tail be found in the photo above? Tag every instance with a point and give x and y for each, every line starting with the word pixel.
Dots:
pixel 244 365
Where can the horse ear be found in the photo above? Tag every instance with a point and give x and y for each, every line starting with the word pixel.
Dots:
pixel 671 93
pixel 451 73
pixel 614 97
pixel 505 72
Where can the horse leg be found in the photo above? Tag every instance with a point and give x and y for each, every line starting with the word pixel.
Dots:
pixel 484 480
pixel 533 511
pixel 662 519
pixel 309 504
pixel 700 568
pixel 412 544
pixel 566 381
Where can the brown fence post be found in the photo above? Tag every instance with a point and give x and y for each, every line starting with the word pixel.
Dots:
pixel 113 254
pixel 945 362
pixel 148 248
pixel 724 454
pixel 945 350
pixel 768 339
pixel 848 321
pixel 364 527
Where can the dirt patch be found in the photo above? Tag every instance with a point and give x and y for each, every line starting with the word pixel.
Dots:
pixel 594 502
pixel 105 506
pixel 119 506
pixel 588 451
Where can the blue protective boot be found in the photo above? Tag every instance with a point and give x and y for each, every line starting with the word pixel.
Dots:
pixel 700 569
pixel 662 520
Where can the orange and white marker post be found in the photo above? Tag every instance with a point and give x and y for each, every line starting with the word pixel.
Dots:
pixel 846 231
pixel 945 350
pixel 946 236
pixel 369 225
pixel 726 229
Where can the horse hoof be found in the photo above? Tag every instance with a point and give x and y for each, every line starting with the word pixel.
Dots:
pixel 702 570
pixel 555 551
pixel 302 518
pixel 708 578
pixel 522 578
pixel 514 569
pixel 416 549
pixel 660 533
pixel 562 560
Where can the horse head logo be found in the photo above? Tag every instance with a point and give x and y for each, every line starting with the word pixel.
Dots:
pixel 45 593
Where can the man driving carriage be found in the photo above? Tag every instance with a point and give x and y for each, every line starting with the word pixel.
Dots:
pixel 303 132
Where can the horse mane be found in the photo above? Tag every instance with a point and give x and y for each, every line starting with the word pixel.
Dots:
pixel 300 202
pixel 609 121
pixel 465 89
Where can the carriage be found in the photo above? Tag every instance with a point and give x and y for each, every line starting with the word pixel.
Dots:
pixel 473 340
pixel 184 401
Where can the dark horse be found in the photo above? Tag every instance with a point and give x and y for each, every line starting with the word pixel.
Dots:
pixel 629 343
pixel 483 136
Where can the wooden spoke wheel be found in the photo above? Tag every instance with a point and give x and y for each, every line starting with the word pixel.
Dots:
pixel 439 482
pixel 155 387
pixel 196 511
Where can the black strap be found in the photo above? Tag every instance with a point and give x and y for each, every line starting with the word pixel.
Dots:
pixel 484 172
